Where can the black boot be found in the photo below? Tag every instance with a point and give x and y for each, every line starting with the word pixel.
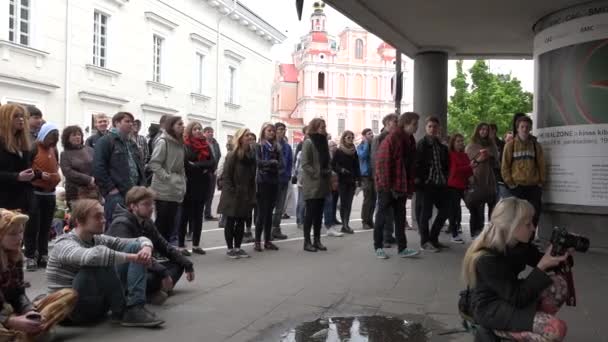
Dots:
pixel 309 247
pixel 277 234
pixel 346 229
pixel 319 246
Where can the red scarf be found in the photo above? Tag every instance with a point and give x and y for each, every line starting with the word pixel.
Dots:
pixel 200 146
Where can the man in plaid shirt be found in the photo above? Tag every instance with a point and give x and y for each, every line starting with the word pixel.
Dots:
pixel 394 177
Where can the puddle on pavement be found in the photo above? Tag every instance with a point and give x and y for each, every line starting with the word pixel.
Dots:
pixel 358 329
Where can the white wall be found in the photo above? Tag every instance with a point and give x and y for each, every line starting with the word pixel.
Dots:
pixel 129 64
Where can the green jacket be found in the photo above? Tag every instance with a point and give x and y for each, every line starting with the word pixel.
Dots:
pixel 315 182
pixel 167 164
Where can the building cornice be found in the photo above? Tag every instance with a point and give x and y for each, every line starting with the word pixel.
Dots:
pixel 102 71
pixel 347 67
pixel 201 117
pixel 152 108
pixel 232 124
pixel 247 18
pixel 118 3
pixel 23 82
pixel 346 100
pixel 157 19
pixel 234 55
pixel 202 40
pixel 102 98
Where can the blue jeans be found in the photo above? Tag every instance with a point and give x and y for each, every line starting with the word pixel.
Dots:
pixel 134 276
pixel 328 211
pixel 110 205
pixel 300 206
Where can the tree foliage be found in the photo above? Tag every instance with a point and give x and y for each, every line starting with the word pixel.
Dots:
pixel 490 98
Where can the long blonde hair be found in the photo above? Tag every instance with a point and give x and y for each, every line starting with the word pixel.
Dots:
pixel 9 221
pixel 14 141
pixel 239 148
pixel 508 214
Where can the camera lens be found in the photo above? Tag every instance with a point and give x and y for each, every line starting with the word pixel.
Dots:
pixel 582 244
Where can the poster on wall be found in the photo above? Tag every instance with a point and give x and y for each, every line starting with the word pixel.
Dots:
pixel 572 111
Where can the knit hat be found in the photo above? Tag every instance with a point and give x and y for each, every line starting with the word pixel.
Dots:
pixel 45 130
pixel 9 218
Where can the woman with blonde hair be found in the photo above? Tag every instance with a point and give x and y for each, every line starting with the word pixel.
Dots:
pixel 345 164
pixel 16 172
pixel 269 159
pixel 238 191
pixel 520 309
pixel 21 320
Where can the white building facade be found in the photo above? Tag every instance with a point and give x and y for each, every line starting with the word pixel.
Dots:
pixel 208 61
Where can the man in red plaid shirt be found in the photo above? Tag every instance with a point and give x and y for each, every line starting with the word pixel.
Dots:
pixel 394 177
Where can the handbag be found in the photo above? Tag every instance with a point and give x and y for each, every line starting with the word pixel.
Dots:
pixel 476 194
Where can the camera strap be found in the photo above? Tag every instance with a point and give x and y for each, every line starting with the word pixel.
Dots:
pixel 567 272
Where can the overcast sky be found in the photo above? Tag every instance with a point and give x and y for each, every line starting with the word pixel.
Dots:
pixel 283 16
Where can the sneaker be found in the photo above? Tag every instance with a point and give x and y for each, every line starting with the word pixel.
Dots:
pixel 138 316
pixel 232 254
pixel 242 254
pixel 285 217
pixel 439 245
pixel 334 232
pixel 367 226
pixel 380 254
pixel 270 246
pixel 43 261
pixel 257 247
pixel 158 298
pixel 198 250
pixel 457 239
pixel 428 247
pixel 31 265
pixel 408 253
pixel 185 252
pixel 347 230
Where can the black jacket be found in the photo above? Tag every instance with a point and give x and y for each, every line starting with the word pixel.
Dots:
pixel 424 161
pixel 13 193
pixel 126 225
pixel 93 139
pixel 111 164
pixel 500 300
pixel 198 175
pixel 346 166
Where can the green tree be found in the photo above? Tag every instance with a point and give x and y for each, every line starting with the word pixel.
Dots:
pixel 491 98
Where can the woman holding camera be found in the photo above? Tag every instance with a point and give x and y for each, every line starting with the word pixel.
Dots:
pixel 519 309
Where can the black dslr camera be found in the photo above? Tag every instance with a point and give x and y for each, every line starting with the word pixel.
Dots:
pixel 561 241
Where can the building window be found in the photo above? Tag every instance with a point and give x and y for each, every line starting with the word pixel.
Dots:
pixel 199 60
pixel 321 81
pixel 341 126
pixel 157 58
pixel 19 21
pixel 359 49
pixel 232 85
pixel 375 126
pixel 100 39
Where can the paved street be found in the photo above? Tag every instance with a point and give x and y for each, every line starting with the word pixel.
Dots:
pixel 260 298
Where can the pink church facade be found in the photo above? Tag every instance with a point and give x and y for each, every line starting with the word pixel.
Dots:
pixel 346 80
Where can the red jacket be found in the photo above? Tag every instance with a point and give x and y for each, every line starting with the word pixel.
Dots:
pixel 460 170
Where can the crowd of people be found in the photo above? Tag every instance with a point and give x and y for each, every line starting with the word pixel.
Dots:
pixel 134 201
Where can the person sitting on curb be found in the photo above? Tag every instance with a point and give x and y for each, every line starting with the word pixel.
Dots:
pixel 136 220
pixel 20 319
pixel 98 266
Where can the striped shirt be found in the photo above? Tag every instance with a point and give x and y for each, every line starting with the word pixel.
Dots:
pixel 70 253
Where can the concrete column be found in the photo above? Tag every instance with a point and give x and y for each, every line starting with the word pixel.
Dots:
pixel 431 88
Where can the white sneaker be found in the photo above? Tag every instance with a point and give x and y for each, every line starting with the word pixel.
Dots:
pixel 457 239
pixel 334 232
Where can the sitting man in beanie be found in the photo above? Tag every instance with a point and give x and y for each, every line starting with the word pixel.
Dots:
pixel 20 319
pixel 136 220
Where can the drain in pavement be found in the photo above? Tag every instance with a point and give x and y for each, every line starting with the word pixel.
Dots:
pixel 357 329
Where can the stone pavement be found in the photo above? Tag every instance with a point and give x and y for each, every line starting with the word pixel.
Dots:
pixel 260 298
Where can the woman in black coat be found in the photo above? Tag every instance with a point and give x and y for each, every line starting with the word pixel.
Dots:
pixel 198 164
pixel 238 191
pixel 520 309
pixel 16 191
pixel 346 164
